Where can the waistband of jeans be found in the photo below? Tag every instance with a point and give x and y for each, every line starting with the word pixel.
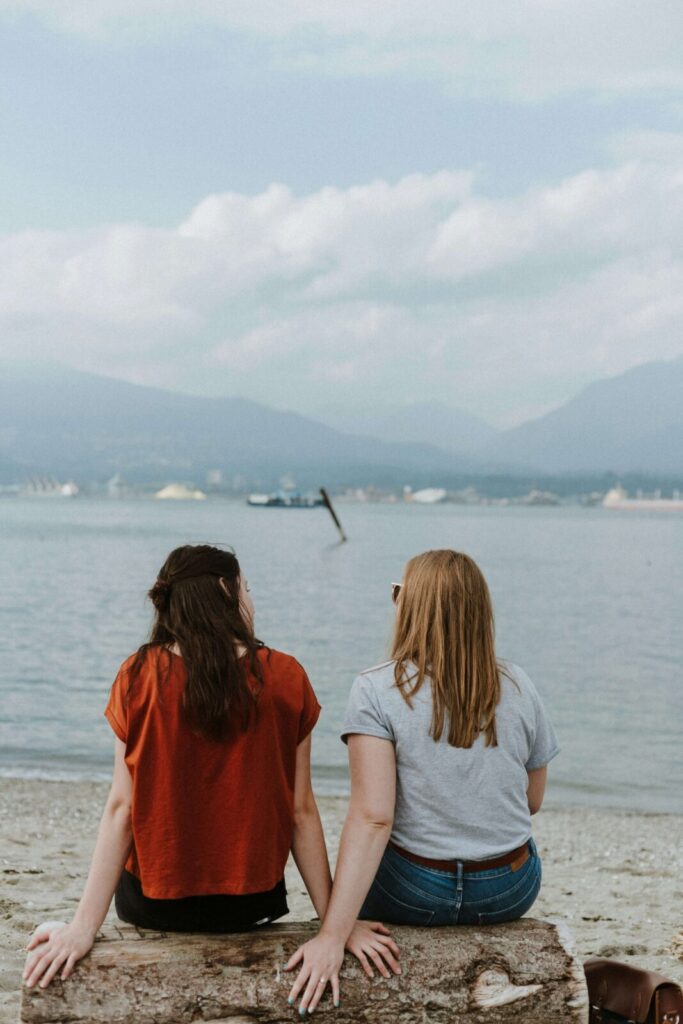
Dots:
pixel 515 858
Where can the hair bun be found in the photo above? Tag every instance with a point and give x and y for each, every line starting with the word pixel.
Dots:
pixel 160 594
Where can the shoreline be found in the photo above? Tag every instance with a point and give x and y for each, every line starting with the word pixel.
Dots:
pixel 615 877
pixel 593 800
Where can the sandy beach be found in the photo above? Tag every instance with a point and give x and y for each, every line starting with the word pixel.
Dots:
pixel 615 877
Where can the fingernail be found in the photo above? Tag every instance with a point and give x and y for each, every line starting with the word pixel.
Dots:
pixel 302 1012
pixel 290 1002
pixel 336 1006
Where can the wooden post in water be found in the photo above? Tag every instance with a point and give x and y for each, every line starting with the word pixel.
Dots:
pixel 328 503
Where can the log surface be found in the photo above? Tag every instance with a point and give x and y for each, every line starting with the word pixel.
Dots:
pixel 524 971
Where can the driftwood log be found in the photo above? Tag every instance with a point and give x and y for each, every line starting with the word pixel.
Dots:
pixel 524 972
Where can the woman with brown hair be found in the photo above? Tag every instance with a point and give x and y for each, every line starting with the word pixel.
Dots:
pixel 448 749
pixel 212 785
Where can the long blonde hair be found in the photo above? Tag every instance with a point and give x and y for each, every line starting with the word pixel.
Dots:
pixel 444 628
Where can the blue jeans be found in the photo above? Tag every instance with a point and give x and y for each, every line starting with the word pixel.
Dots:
pixel 407 893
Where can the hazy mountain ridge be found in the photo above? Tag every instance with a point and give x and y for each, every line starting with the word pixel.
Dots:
pixel 67 423
pixel 451 429
pixel 632 422
pixel 71 423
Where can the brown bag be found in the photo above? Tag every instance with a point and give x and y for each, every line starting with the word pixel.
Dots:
pixel 621 992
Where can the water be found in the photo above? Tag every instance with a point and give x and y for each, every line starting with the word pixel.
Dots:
pixel 587 602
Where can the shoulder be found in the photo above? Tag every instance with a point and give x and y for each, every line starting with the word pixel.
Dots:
pixel 514 678
pixel 280 663
pixel 379 677
pixel 142 667
pixel 283 670
pixel 375 685
pixel 518 692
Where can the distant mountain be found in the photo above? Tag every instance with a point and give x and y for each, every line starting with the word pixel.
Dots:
pixel 451 429
pixel 629 423
pixel 64 423
pixel 68 423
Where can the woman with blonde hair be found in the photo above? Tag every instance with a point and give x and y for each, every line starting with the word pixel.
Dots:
pixel 448 753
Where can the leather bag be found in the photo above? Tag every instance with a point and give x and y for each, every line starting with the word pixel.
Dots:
pixel 619 992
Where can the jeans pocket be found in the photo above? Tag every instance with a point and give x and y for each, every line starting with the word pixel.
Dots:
pixel 511 904
pixel 383 905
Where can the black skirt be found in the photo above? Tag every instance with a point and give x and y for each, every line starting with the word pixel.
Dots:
pixel 216 913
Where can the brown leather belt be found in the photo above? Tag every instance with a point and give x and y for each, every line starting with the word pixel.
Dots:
pixel 515 858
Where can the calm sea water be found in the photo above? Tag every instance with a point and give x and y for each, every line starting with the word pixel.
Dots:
pixel 587 601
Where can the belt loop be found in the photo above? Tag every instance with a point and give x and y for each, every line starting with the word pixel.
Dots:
pixel 460 878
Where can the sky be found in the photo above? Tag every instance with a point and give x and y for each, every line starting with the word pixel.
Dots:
pixel 338 208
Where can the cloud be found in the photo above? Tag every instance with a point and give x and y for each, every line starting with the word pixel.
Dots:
pixel 530 50
pixel 408 289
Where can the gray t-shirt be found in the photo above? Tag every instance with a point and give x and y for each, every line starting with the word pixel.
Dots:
pixel 454 803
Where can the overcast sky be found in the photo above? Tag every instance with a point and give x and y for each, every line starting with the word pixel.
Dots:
pixel 339 205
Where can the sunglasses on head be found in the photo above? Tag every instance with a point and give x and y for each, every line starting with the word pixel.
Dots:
pixel 395 591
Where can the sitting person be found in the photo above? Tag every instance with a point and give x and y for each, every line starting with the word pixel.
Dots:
pixel 212 785
pixel 448 753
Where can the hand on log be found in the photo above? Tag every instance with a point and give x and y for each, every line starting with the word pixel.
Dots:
pixel 321 957
pixel 524 972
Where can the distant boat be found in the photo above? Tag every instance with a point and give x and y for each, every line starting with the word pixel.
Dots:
pixel 618 499
pixel 427 496
pixel 179 492
pixel 47 487
pixel 285 499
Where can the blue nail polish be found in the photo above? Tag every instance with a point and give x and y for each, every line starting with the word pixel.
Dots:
pixel 290 1002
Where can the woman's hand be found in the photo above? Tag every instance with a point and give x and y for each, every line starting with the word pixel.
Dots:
pixel 370 939
pixel 54 946
pixel 322 957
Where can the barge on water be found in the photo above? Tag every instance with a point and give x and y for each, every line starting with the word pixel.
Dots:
pixel 285 499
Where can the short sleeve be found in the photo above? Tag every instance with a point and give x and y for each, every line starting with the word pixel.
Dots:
pixel 310 711
pixel 116 711
pixel 544 746
pixel 364 714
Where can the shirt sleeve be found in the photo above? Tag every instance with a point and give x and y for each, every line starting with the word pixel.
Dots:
pixel 364 713
pixel 116 711
pixel 544 746
pixel 310 711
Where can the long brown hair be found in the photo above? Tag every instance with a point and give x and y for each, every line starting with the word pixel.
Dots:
pixel 206 620
pixel 445 633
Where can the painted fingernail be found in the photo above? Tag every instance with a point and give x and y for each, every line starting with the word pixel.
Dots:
pixel 290 1002
pixel 336 1006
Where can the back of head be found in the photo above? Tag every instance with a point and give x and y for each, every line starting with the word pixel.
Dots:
pixel 197 602
pixel 445 629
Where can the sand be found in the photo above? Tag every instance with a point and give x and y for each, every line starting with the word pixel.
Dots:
pixel 615 877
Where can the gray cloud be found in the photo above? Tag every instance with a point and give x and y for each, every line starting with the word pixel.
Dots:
pixel 530 50
pixel 422 287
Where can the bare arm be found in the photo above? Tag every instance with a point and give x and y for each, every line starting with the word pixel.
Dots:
pixel 308 842
pixel 372 764
pixel 365 835
pixel 61 947
pixel 536 788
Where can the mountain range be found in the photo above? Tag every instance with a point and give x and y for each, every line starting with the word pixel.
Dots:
pixel 67 423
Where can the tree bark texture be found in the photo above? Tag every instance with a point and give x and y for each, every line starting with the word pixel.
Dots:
pixel 524 972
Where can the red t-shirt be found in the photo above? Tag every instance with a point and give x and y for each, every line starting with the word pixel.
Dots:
pixel 210 817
